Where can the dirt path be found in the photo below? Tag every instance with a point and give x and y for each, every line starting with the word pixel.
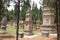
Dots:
pixel 39 37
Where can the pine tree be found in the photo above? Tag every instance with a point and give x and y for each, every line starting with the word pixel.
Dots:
pixel 34 13
pixel 40 14
pixel 25 6
pixel 15 11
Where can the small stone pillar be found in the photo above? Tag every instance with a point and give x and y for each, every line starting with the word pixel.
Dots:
pixel 28 23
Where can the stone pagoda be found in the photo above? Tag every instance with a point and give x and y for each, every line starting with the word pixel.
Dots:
pixel 48 19
pixel 28 23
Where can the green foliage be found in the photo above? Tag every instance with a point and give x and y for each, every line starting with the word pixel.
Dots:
pixel 40 14
pixel 24 9
pixel 10 15
pixel 15 11
pixel 1 8
pixel 36 13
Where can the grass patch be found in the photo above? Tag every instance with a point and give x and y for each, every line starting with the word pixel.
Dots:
pixel 35 32
pixel 12 30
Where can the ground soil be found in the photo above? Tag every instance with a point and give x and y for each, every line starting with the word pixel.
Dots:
pixel 12 37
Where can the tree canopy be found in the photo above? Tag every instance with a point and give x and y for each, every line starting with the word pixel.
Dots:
pixel 36 13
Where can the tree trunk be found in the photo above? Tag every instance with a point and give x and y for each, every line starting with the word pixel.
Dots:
pixel 0 24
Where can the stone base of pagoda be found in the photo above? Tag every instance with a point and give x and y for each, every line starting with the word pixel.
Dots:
pixel 46 30
pixel 28 33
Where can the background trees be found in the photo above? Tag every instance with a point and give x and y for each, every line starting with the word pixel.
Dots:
pixel 26 5
pixel 11 15
pixel 1 8
pixel 36 13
